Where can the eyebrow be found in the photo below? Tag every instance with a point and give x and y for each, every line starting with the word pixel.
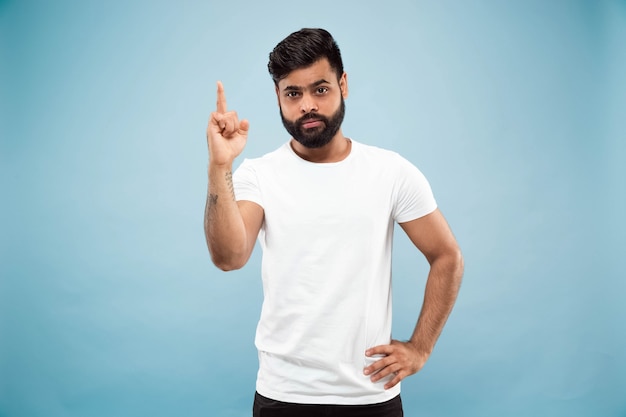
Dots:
pixel 312 85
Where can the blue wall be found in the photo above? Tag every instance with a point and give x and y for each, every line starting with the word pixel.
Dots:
pixel 109 305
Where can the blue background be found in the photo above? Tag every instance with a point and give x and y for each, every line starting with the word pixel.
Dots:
pixel 109 304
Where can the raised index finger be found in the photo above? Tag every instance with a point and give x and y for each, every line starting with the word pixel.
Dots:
pixel 221 98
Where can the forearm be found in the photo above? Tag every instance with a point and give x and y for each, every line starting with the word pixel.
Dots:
pixel 442 287
pixel 224 228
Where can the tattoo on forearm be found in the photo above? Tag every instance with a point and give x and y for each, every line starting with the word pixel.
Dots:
pixel 229 181
pixel 212 200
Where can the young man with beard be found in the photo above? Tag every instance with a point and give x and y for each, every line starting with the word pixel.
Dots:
pixel 323 207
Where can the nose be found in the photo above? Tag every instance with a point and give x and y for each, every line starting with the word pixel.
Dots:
pixel 308 104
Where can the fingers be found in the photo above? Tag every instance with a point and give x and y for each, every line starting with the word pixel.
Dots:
pixel 221 98
pixel 379 350
pixel 244 126
pixel 384 368
pixel 398 362
pixel 376 369
pixel 399 377
pixel 228 124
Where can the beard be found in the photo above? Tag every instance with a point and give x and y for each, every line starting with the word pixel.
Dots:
pixel 318 136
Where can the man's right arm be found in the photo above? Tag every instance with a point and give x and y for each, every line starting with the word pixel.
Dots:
pixel 230 227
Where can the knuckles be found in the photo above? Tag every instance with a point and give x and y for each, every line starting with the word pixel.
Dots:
pixel 226 124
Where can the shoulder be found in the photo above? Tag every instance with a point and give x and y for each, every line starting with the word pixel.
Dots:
pixel 372 150
pixel 382 157
pixel 269 159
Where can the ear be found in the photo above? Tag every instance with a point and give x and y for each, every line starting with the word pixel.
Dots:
pixel 343 85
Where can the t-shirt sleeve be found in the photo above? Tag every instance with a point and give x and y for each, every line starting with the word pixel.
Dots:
pixel 413 197
pixel 246 184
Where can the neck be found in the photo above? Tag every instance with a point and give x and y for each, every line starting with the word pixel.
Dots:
pixel 334 151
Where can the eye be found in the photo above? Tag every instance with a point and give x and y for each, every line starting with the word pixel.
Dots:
pixel 292 94
pixel 321 90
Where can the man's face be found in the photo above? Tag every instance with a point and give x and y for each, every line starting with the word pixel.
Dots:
pixel 311 102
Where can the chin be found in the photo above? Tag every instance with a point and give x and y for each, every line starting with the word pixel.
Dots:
pixel 313 143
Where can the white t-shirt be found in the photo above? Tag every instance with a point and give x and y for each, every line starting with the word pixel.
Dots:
pixel 326 269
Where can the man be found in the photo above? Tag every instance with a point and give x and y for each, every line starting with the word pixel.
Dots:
pixel 323 208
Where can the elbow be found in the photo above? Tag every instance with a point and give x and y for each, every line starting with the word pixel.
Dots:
pixel 227 266
pixel 227 258
pixel 451 263
pixel 457 256
pixel 228 263
pixel 458 264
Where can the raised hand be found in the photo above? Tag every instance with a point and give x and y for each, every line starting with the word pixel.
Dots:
pixel 226 134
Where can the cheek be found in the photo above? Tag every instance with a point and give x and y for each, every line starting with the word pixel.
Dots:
pixel 290 111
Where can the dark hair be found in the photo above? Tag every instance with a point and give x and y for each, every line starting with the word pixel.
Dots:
pixel 302 49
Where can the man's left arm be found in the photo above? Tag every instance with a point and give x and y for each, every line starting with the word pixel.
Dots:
pixel 433 237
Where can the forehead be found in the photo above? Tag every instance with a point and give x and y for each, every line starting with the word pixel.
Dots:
pixel 304 77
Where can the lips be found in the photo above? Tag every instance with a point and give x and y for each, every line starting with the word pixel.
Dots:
pixel 310 124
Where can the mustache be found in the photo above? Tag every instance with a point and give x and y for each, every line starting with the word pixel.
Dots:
pixel 311 116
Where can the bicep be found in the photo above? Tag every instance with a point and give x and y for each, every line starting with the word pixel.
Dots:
pixel 431 235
